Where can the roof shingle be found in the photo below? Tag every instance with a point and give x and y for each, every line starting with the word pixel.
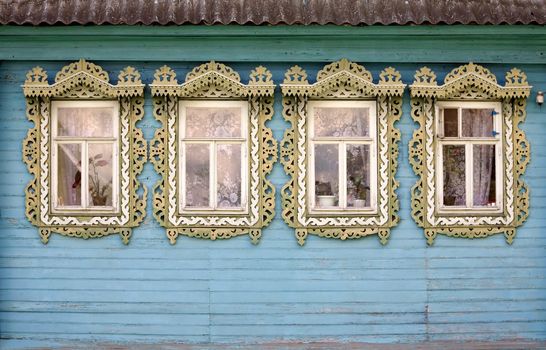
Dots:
pixel 340 12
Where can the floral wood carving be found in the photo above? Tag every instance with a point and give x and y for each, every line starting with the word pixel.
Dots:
pixel 341 80
pixel 83 80
pixel 214 81
pixel 470 82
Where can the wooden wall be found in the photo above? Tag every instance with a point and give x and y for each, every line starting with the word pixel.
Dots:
pixel 232 291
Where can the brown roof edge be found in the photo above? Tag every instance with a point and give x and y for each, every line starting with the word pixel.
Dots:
pixel 272 12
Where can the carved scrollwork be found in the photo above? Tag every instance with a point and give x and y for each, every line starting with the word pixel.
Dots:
pixel 84 80
pixel 213 80
pixel 469 82
pixel 340 80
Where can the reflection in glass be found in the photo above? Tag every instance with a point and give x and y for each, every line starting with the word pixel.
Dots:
pixel 85 121
pixel 209 122
pixel 454 175
pixel 229 175
pixel 100 169
pixel 197 175
pixel 339 122
pixel 326 175
pixel 358 176
pixel 484 175
pixel 69 176
pixel 477 122
pixel 451 122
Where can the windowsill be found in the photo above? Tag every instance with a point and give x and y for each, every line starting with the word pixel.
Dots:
pixel 107 211
pixel 209 212
pixel 476 211
pixel 334 211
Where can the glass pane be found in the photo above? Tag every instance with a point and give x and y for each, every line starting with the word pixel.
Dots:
pixel 100 174
pixel 358 176
pixel 338 122
pixel 229 175
pixel 478 122
pixel 213 122
pixel 197 175
pixel 454 175
pixel 326 176
pixel 69 176
pixel 451 122
pixel 484 175
pixel 85 121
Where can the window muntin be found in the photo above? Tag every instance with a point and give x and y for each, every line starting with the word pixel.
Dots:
pixel 469 163
pixel 85 130
pixel 342 162
pixel 214 164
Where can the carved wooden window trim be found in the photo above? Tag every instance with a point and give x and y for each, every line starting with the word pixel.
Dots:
pixel 469 82
pixel 214 82
pixel 341 81
pixel 84 81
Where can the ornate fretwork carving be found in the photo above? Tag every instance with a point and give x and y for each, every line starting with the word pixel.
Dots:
pixel 215 81
pixel 470 78
pixel 470 82
pixel 84 80
pixel 340 80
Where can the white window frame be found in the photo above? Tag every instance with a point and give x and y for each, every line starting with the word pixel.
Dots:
pixel 84 142
pixel 342 142
pixel 468 142
pixel 213 143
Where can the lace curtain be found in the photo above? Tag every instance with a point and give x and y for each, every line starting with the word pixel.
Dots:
pixel 81 124
pixel 475 123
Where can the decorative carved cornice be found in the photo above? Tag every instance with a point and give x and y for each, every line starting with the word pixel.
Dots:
pixel 470 76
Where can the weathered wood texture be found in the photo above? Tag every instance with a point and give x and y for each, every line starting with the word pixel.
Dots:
pixel 231 291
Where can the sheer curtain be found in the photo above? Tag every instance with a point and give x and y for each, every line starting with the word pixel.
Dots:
pixel 479 123
pixel 483 171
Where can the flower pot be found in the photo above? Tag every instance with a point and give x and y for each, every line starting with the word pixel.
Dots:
pixel 99 201
pixel 326 201
pixel 360 203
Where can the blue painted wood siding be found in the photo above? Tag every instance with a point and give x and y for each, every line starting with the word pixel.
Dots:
pixel 231 291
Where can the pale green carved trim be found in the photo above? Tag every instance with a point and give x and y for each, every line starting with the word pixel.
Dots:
pixel 213 233
pixel 343 80
pixel 470 82
pixel 213 80
pixel 84 80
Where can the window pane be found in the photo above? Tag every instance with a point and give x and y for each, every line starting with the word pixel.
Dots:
pixel 478 122
pixel 229 175
pixel 484 175
pixel 85 122
pixel 100 174
pixel 197 175
pixel 454 175
pixel 213 122
pixel 451 122
pixel 358 176
pixel 326 175
pixel 69 176
pixel 338 122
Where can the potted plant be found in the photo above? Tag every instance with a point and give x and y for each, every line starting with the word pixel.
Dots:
pixel 98 190
pixel 325 195
pixel 360 191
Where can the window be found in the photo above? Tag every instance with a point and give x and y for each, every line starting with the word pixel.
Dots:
pixel 469 153
pixel 213 152
pixel 85 130
pixel 85 152
pixel 342 143
pixel 214 142
pixel 341 152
